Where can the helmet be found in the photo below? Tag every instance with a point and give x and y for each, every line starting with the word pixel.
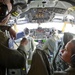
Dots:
pixel 26 31
pixel 3 10
pixel 52 31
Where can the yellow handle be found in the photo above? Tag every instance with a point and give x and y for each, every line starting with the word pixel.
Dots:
pixel 63 29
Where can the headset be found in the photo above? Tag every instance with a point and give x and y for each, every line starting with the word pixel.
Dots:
pixel 13 12
pixel 3 10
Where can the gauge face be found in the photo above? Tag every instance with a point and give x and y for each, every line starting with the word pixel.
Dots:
pixel 39 29
pixel 41 13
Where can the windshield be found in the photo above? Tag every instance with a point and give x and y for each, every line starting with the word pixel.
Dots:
pixel 51 13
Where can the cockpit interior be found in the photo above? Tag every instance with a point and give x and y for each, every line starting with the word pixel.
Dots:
pixel 45 19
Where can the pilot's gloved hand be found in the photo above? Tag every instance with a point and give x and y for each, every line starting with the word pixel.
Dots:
pixel 12 33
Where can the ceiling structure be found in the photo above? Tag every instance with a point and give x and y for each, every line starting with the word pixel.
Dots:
pixel 44 10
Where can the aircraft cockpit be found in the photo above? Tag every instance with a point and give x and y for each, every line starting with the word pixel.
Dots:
pixel 45 19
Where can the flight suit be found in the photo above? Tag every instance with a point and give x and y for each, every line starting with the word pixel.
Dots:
pixel 69 71
pixel 10 58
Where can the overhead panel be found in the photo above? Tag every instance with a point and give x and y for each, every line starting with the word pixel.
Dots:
pixel 44 11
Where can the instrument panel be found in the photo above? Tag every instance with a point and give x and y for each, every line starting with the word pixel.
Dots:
pixel 40 36
pixel 42 14
pixel 39 33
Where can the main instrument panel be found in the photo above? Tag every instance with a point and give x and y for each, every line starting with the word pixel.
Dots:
pixel 40 33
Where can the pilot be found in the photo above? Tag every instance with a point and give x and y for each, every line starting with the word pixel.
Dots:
pixel 40 61
pixel 9 58
pixel 66 38
pixel 50 45
pixel 68 56
pixel 30 47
